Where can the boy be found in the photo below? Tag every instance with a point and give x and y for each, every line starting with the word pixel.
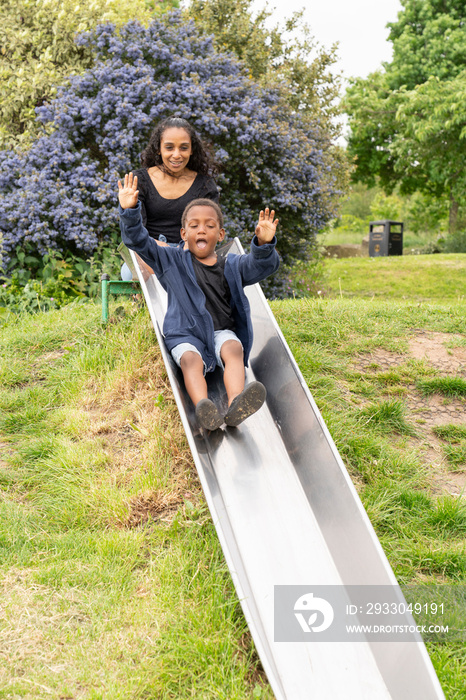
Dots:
pixel 208 319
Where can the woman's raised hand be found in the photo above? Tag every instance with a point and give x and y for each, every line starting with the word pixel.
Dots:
pixel 128 191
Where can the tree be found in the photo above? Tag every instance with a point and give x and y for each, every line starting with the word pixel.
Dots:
pixel 235 29
pixel 38 52
pixel 433 147
pixel 288 56
pixel 407 122
pixel 61 193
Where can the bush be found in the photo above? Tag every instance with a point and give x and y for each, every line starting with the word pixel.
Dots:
pixel 455 242
pixel 61 194
pixel 38 52
pixel 49 282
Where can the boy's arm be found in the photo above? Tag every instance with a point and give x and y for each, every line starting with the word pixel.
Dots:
pixel 133 232
pixel 266 227
pixel 263 259
pixel 128 196
pixel 128 191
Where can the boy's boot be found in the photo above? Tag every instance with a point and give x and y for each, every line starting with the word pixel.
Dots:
pixel 208 415
pixel 245 404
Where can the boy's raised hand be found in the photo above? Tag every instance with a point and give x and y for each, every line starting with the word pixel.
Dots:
pixel 265 229
pixel 128 191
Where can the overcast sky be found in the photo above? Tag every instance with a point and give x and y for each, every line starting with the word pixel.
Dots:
pixel 359 26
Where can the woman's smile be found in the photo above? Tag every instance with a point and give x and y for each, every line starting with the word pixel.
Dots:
pixel 175 149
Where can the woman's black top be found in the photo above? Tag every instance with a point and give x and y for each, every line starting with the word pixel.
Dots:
pixel 162 216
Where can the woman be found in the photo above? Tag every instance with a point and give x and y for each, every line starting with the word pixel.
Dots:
pixel 177 168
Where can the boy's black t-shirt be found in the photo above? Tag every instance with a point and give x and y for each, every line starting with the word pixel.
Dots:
pixel 212 281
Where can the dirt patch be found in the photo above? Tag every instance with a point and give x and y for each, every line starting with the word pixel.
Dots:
pixel 439 350
pixel 435 410
pixel 348 250
pixel 379 361
pixel 158 505
pixel 446 353
pixel 453 483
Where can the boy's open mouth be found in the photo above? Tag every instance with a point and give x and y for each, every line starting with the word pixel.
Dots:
pixel 201 243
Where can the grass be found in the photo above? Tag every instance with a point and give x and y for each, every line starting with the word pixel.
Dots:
pixel 114 583
pixel 354 354
pixel 387 417
pixel 415 278
pixel 454 447
pixel 448 386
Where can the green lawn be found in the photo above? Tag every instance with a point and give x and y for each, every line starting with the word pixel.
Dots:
pixel 411 277
pixel 399 424
pixel 114 583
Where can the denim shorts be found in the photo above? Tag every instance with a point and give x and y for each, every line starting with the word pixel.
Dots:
pixel 220 337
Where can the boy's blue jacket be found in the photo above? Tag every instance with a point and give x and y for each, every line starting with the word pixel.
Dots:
pixel 187 320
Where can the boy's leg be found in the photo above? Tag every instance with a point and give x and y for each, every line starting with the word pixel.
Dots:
pixel 242 402
pixel 231 353
pixel 192 366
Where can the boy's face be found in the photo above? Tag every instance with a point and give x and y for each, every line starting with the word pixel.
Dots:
pixel 202 232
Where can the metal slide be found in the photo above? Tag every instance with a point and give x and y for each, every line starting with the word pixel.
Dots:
pixel 286 512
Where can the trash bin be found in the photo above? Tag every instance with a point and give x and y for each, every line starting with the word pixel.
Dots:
pixel 385 238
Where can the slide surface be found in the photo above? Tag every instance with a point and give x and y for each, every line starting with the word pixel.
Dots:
pixel 287 515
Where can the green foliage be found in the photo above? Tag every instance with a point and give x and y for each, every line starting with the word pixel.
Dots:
pixel 235 29
pixel 386 207
pixel 423 216
pixel 408 126
pixel 52 281
pixel 37 52
pixel 359 202
pixel 424 213
pixel 428 39
pixel 455 242
pixel 287 56
pixel 430 155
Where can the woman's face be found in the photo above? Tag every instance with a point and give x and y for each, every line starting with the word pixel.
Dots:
pixel 175 150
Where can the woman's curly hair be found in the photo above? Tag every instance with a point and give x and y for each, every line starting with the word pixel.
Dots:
pixel 201 160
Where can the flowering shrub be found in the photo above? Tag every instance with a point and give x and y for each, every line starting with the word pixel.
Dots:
pixel 62 193
pixel 38 52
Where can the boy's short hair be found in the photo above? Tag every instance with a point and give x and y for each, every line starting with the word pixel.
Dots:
pixel 204 202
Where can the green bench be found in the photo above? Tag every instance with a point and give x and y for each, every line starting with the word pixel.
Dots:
pixel 115 287
pixel 118 286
